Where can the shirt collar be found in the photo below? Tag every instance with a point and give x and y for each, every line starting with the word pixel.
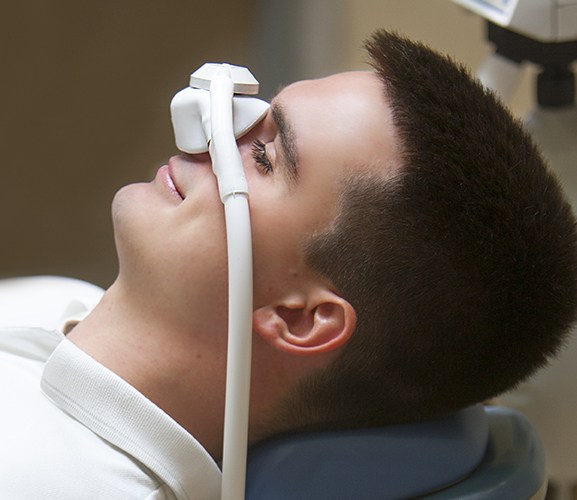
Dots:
pixel 116 411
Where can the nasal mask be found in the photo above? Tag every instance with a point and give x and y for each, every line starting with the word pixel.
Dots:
pixel 210 115
pixel 203 110
pixel 190 108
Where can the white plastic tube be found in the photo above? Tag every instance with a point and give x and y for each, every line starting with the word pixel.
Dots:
pixel 233 188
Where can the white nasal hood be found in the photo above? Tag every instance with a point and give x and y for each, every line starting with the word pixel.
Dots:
pixel 191 110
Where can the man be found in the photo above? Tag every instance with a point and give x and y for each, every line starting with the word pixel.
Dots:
pixel 412 256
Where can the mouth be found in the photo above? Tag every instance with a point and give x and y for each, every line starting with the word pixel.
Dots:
pixel 166 177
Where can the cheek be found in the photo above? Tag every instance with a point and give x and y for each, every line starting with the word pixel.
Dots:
pixel 277 259
pixel 281 223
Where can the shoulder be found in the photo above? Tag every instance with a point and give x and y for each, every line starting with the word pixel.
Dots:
pixel 45 301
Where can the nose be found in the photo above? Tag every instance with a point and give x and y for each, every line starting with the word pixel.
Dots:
pixel 197 159
pixel 261 130
pixel 244 143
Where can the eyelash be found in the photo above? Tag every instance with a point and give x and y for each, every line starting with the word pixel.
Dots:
pixel 259 155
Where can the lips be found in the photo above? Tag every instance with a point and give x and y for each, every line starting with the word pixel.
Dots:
pixel 182 173
pixel 166 176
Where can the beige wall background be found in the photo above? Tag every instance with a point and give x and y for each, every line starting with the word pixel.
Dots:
pixel 84 89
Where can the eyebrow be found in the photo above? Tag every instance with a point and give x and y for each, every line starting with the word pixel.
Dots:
pixel 287 140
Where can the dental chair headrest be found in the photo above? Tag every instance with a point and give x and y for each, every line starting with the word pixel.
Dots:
pixel 409 460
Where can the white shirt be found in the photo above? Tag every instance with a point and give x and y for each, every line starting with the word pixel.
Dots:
pixel 72 429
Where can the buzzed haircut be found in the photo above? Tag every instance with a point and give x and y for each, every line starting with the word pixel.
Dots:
pixel 461 267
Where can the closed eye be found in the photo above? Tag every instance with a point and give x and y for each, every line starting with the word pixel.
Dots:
pixel 259 155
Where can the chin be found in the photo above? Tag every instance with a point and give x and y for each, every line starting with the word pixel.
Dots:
pixel 132 225
pixel 124 200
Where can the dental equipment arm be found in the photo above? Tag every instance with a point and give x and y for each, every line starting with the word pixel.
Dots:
pixel 542 20
pixel 211 121
pixel 543 32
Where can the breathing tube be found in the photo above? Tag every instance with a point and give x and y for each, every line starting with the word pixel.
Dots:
pixel 210 115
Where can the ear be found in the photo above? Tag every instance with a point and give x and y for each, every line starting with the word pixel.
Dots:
pixel 316 323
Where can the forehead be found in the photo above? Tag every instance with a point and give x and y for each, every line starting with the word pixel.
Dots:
pixel 340 85
pixel 345 116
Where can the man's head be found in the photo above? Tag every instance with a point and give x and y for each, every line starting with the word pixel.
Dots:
pixel 461 266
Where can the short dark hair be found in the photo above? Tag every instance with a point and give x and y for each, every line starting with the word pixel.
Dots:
pixel 461 267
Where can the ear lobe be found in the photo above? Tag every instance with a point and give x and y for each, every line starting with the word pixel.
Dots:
pixel 322 323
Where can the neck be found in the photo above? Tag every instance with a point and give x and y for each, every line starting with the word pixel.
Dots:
pixel 180 370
